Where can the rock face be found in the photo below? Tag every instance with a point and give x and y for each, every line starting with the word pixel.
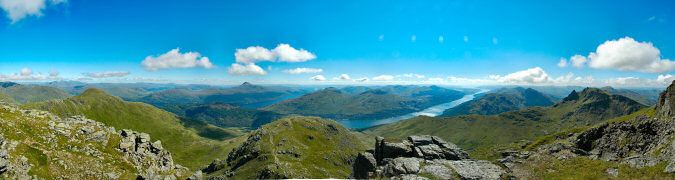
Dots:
pixel 38 145
pixel 641 141
pixel 138 148
pixel 665 104
pixel 419 157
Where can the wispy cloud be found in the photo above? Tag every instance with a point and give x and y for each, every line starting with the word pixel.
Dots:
pixel 303 70
pixel 20 9
pixel 107 74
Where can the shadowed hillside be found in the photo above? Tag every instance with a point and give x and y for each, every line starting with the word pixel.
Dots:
pixel 500 101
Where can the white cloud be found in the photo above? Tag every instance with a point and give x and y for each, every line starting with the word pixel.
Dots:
pixel 303 70
pixel 342 77
pixel 383 78
pixel 107 74
pixel 54 73
pixel 578 61
pixel 253 54
pixel 27 75
pixel 661 80
pixel 410 75
pixel 466 39
pixel 318 78
pixel 530 76
pixel 248 69
pixel 363 79
pixel 282 53
pixel 19 9
pixel 440 39
pixel 286 53
pixel 26 72
pixel 562 62
pixel 626 54
pixel 175 59
pixel 435 79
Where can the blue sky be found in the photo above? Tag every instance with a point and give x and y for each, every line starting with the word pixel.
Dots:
pixel 483 42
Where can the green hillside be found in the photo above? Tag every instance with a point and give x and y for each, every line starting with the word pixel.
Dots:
pixel 193 143
pixel 4 98
pixel 386 102
pixel 33 93
pixel 632 95
pixel 299 147
pixel 125 92
pixel 482 131
pixel 507 99
pixel 223 115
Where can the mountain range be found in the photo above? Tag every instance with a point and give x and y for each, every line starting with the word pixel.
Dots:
pixel 224 115
pixel 474 132
pixel 388 101
pixel 501 100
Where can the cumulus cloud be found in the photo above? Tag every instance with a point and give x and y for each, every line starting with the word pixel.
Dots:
pixel 286 53
pixel 174 59
pixel 530 76
pixel 562 62
pixel 248 69
pixel 318 78
pixel 342 77
pixel 383 78
pixel 626 54
pixel 27 74
pixel 410 75
pixel 578 61
pixel 19 9
pixel 303 70
pixel 253 54
pixel 107 74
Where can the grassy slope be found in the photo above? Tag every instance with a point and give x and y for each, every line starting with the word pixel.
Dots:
pixel 223 115
pixel 4 98
pixel 326 155
pixel 631 94
pixel 180 137
pixel 546 167
pixel 32 93
pixel 474 132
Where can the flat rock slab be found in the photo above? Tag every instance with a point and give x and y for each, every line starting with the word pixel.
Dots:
pixel 476 169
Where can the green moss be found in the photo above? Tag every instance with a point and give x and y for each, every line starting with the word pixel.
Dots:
pixel 192 143
pixel 585 168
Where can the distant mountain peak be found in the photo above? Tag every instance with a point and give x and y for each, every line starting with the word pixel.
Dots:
pixel 246 84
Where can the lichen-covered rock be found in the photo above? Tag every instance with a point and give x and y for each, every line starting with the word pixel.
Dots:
pixel 476 169
pixel 364 166
pixel 430 156
pixel 37 145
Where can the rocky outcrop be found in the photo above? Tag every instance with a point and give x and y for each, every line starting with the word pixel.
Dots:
pixel 641 141
pixel 147 155
pixel 665 106
pixel 37 145
pixel 421 157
